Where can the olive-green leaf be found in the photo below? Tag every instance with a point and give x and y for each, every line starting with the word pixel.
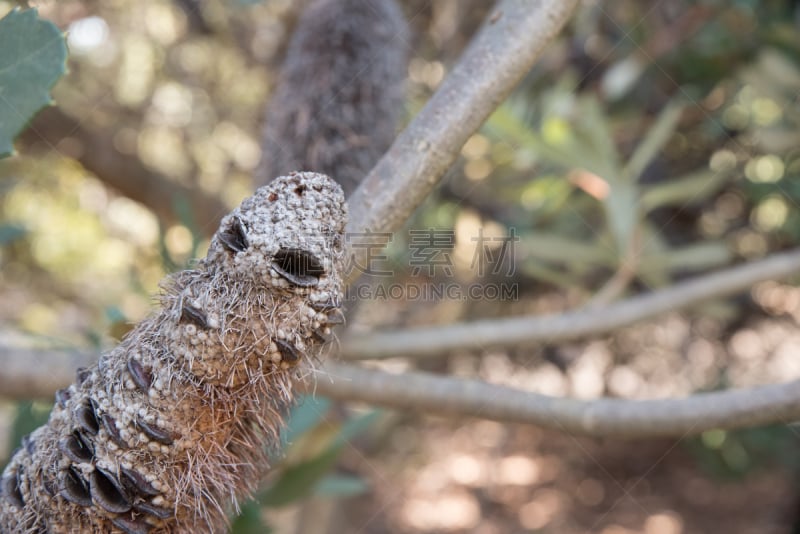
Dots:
pixel 297 481
pixel 33 57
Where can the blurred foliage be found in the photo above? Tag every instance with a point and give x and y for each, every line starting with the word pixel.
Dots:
pixel 654 140
pixel 313 441
pixel 730 455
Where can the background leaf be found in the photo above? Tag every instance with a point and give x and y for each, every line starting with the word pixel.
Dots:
pixel 32 58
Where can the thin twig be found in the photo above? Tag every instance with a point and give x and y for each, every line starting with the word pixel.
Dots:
pixel 431 394
pixel 515 331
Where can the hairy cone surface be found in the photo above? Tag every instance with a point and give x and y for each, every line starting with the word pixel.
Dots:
pixel 174 425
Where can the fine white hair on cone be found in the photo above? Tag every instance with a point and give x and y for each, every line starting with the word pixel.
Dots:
pixel 175 424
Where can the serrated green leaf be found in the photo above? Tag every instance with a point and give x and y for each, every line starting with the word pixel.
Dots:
pixel 654 140
pixel 340 486
pixel 33 57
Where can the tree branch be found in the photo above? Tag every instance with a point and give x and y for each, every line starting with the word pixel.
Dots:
pixel 514 331
pixel 29 373
pixel 22 378
pixel 510 41
pixel 431 394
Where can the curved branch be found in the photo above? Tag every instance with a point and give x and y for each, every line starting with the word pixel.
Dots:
pixel 23 378
pixel 510 41
pixel 433 394
pixel 560 327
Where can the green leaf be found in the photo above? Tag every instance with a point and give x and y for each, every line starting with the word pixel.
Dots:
pixel 10 232
pixel 33 57
pixel 692 187
pixel 298 481
pixel 356 426
pixel 29 416
pixel 595 150
pixel 249 521
pixel 304 416
pixel 554 248
pixel 695 257
pixel 654 140
pixel 340 486
pixel 505 124
pixel 622 212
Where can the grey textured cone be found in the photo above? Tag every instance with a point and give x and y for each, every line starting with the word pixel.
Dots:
pixel 174 425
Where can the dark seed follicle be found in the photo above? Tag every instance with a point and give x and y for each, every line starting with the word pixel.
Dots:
pixel 11 490
pixel 74 488
pixel 74 448
pixel 87 419
pixel 62 396
pixel 168 430
pixel 151 509
pixel 137 483
pixel 141 376
pixel 298 267
pixel 193 315
pixel 155 433
pixel 111 429
pixel 130 525
pixel 107 493
pixel 234 237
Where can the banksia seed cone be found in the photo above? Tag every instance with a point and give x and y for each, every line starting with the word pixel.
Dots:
pixel 174 425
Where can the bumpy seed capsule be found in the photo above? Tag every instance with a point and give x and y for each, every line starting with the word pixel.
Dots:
pixel 289 354
pixel 193 315
pixel 111 429
pixel 151 509
pixel 74 448
pixel 234 237
pixel 136 483
pixel 74 488
pixel 62 396
pixel 130 525
pixel 86 418
pixel 153 432
pixel 298 267
pixel 141 376
pixel 107 492
pixel 11 489
pixel 167 432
